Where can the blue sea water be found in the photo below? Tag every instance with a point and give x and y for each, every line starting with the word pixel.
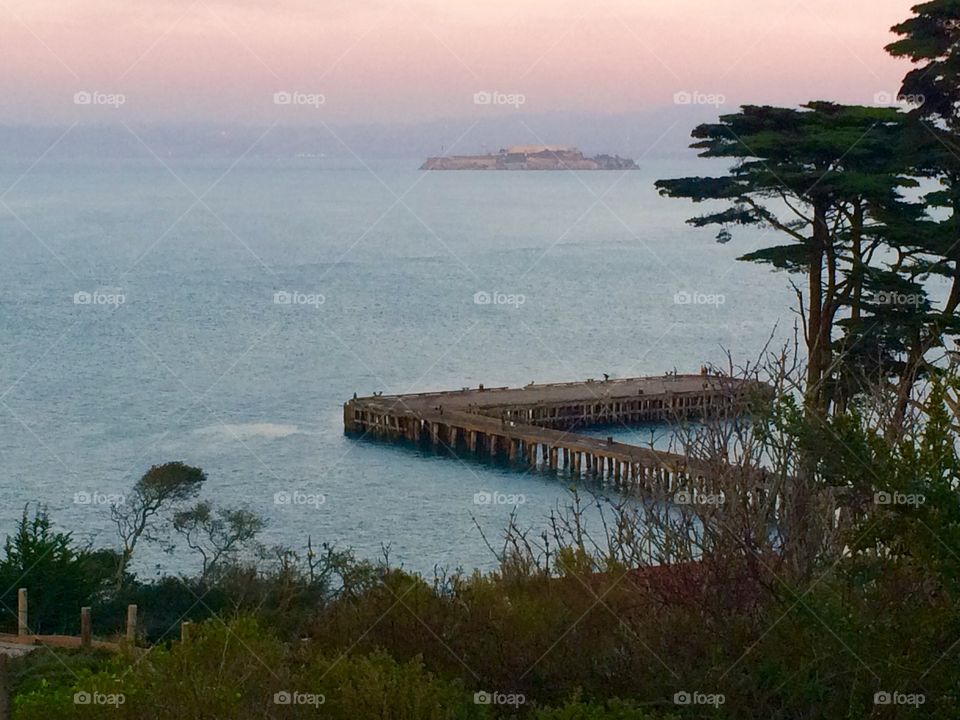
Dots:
pixel 200 364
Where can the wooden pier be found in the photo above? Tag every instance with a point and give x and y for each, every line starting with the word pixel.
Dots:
pixel 537 425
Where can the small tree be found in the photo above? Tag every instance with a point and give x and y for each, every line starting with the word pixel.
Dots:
pixel 162 488
pixel 59 577
pixel 217 534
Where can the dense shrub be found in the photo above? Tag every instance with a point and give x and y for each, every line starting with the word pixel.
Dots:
pixel 237 671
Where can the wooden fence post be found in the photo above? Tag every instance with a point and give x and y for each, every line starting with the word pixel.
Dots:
pixel 22 628
pixel 185 631
pixel 132 624
pixel 86 631
pixel 4 689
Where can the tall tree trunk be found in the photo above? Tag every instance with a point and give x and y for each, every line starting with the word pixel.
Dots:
pixel 818 332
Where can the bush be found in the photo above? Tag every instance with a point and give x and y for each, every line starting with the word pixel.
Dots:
pixel 612 710
pixel 237 671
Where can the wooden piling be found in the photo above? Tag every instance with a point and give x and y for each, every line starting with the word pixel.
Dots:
pixel 132 624
pixel 4 688
pixel 86 629
pixel 22 627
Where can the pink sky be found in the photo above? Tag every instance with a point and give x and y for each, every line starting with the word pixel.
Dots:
pixel 384 60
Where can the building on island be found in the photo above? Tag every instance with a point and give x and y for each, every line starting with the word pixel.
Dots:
pixel 530 157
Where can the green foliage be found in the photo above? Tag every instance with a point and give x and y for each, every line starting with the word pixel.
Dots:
pixel 829 179
pixel 239 671
pixel 59 577
pixel 612 710
pixel 217 535
pixel 931 39
pixel 55 668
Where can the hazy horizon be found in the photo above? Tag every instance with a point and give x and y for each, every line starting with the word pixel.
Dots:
pixel 374 62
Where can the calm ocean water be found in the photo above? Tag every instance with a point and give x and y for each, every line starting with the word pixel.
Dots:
pixel 200 364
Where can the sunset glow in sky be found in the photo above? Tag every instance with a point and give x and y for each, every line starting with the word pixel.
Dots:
pixel 386 61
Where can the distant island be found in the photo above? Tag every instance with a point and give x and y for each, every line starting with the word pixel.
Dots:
pixel 530 157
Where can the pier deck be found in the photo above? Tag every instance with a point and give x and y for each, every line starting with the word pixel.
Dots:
pixel 537 425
